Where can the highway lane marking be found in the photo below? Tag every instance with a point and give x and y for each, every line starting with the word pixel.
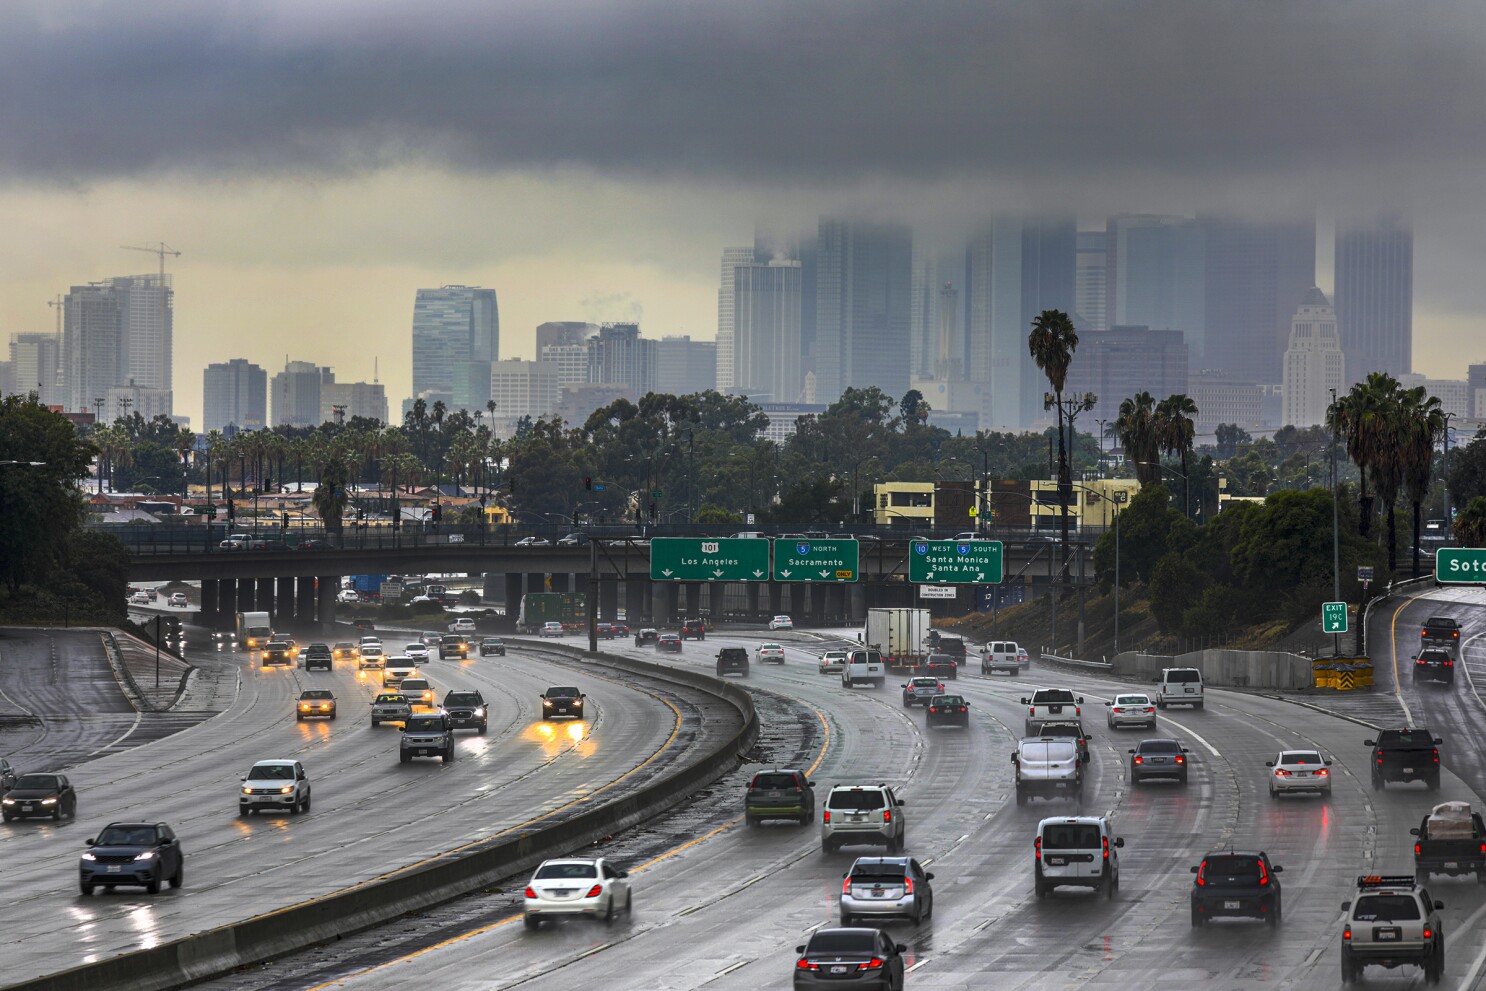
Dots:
pixel 138 716
pixel 737 966
pixel 1467 669
pixel 1393 644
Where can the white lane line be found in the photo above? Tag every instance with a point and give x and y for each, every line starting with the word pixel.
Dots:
pixel 916 966
pixel 1467 669
pixel 1466 927
pixel 109 746
pixel 1194 734
pixel 737 966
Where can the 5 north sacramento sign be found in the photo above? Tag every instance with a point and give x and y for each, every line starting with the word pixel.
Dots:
pixel 955 562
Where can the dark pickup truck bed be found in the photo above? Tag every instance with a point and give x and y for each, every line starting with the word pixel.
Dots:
pixel 1453 856
pixel 1406 755
pixel 1440 630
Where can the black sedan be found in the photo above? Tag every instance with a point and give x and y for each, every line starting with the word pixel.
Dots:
pixel 39 795
pixel 134 853
pixel 668 643
pixel 951 709
pixel 850 958
pixel 647 635
pixel 562 701
pixel 606 631
pixel 492 645
pixel 1158 759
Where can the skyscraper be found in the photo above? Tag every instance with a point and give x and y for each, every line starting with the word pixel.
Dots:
pixel 1122 361
pixel 1089 287
pixel 117 332
pixel 34 363
pixel 1155 276
pixel 345 400
pixel 924 320
pixel 684 366
pixel 766 331
pixel 726 350
pixel 863 307
pixel 1314 363
pixel 452 326
pixel 1375 296
pixel 234 394
pixel 1256 276
pixel 620 357
pixel 296 394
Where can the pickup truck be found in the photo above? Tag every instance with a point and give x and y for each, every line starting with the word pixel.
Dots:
pixel 1406 755
pixel 1051 704
pixel 1067 729
pixel 1440 630
pixel 1450 840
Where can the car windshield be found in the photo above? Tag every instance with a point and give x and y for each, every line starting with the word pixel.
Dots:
pixel 1061 729
pixel 565 693
pixel 1406 738
pixel 842 942
pixel 316 693
pixel 1300 758
pixel 877 870
pixel 272 772
pixel 557 872
pixel 490 641
pixel 128 836
pixel 1386 908
pixel 835 655
pixel 1056 696
pixel 948 700
pixel 772 646
pixel 424 724
pixel 345 645
pixel 386 699
pixel 416 648
pixel 37 782
pixel 1183 674
pixel 925 682
pixel 774 779
pixel 414 685
pixel 1242 869
pixel 1132 700
pixel 857 801
pixel 1160 747
pixel 461 698
pixel 1070 836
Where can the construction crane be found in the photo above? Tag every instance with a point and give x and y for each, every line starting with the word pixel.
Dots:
pixel 162 249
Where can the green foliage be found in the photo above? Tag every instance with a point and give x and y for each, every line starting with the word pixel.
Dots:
pixel 711 513
pixel 1467 475
pixel 811 502
pixel 1145 525
pixel 1470 524
pixel 1176 586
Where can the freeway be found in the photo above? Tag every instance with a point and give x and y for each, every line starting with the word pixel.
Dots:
pixel 720 906
pixel 370 815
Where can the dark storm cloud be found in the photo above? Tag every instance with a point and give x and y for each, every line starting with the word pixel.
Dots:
pixel 1347 94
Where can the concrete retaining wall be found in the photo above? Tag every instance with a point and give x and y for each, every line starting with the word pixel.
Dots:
pixel 1229 668
pixel 219 951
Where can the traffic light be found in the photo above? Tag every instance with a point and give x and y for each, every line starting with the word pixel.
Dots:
pixel 652 511
pixel 438 512
pixel 511 483
pixel 588 483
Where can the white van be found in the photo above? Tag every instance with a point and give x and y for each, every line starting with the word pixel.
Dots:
pixel 863 664
pixel 1077 851
pixel 1047 767
pixel 1179 686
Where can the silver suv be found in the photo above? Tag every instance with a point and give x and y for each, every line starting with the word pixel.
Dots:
pixel 887 886
pixel 1392 922
pixel 918 691
pixel 427 734
pixel 862 814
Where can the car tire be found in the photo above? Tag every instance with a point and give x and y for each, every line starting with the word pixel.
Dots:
pixel 609 912
pixel 1198 706
pixel 404 758
pixel 153 887
pixel 826 846
pixel 908 703
pixel 1377 782
pixel 1108 885
pixel 846 920
pixel 1182 779
pixel 483 728
pixel 305 805
pixel 375 723
pixel 1197 919
pixel 1349 969
pixel 85 887
pixel 180 876
pixel 1433 783
pixel 1432 969
pixel 530 922
pixel 1273 795
pixel 243 810
pixel 1040 886
pixel 1021 797
pixel 57 814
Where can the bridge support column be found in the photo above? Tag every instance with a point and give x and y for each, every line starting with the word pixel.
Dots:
pixel 609 601
pixel 284 602
pixel 536 581
pixel 838 611
pixel 752 599
pixel 693 598
pixel 328 587
pixel 513 597
pixel 562 582
pixel 665 595
pixel 304 599
pixel 856 602
pixel 634 602
pixel 245 601
pixel 492 587
pixel 207 614
pixel 717 600
pixel 264 595
pixel 776 598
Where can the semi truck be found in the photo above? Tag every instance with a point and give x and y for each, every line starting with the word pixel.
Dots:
pixel 537 608
pixel 899 633
pixel 368 586
pixel 253 630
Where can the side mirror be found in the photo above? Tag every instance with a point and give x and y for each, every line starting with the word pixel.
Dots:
pixel 1277 868
pixel 929 876
pixel 1346 906
pixel 92 841
pixel 1120 841
pixel 1079 700
pixel 1025 702
pixel 1108 704
pixel 621 874
pixel 1414 831
pixel 1194 869
pixel 967 703
pixel 1328 763
pixel 1438 740
pixel 1370 743
pixel 799 949
pixel 901 948
pixel 901 803
pixel 1013 758
pixel 1186 751
pixel 846 873
pixel 242 779
pixel 904 685
pixel 1269 763
pixel 166 842
pixel 1131 750
pixel 1439 904
pixel 810 784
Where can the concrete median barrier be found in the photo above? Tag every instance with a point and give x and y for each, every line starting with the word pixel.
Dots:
pixel 439 879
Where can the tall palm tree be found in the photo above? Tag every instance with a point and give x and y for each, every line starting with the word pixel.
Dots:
pixel 1176 429
pixel 1051 343
pixel 1136 429
pixel 1423 426
pixel 1470 523
pixel 1387 428
pixel 216 456
pixel 1360 419
pixel 332 494
pixel 185 446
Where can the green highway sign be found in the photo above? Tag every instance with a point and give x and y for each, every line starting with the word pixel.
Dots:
pixel 1460 565
pixel 955 562
pixel 709 559
pixel 1333 617
pixel 806 560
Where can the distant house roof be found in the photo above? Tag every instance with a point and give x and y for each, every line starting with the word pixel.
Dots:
pixel 127 516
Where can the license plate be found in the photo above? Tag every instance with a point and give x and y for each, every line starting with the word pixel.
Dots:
pixel 1408 770
pixel 25 808
pixel 838 970
pixel 858 818
pixel 1387 934
pixel 1230 904
pixel 113 869
pixel 1452 864
pixel 1057 861
pixel 876 892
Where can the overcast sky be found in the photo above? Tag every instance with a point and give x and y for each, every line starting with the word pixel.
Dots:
pixel 316 162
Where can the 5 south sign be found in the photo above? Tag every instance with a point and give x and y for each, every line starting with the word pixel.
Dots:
pixel 951 562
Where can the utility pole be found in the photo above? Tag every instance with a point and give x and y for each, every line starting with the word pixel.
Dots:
pixel 1336 559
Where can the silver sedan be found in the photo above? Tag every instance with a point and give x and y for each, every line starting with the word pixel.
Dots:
pixel 1131 710
pixel 1299 770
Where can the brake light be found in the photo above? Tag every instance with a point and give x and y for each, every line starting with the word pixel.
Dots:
pixel 595 891
pixel 887 815
pixel 803 964
pixel 1139 759
pixel 1280 772
pixel 1416 849
pixel 1031 710
pixel 874 964
pixel 908 886
pixel 827 818
pixel 1347 932
pixel 1321 772
pixel 1263 874
pixel 1428 932
pixel 933 708
pixel 1106 848
pixel 1436 755
pixel 846 886
pixel 1180 759
pixel 1150 709
pixel 1077 711
pixel 941 688
pixel 530 893
pixel 1200 872
pixel 1037 846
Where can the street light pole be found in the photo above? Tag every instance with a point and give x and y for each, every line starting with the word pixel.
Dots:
pixel 1336 559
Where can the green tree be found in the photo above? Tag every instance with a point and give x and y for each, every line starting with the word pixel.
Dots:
pixel 1470 523
pixel 1466 476
pixel 1137 429
pixel 332 494
pixel 1176 586
pixel 1230 437
pixel 1145 525
pixel 1422 427
pixel 41 506
pixel 715 515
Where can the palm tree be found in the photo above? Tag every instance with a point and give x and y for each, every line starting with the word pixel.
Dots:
pixel 1423 425
pixel 331 495
pixel 1386 424
pixel 216 457
pixel 1051 344
pixel 1136 429
pixel 185 446
pixel 1470 523
pixel 1175 431
pixel 1359 418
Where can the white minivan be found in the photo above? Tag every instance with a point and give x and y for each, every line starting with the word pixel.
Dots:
pixel 1077 851
pixel 1179 686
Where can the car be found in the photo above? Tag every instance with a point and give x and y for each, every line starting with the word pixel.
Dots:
pixel 370 640
pixel 313 544
pixel 646 635
pixel 1236 883
pixel 315 703
pixel 396 670
pixel 1411 754
pixel 1435 664
pixel 318 655
pixel 605 631
pixel 779 793
pixel 390 707
pixel 832 662
pixel 418 691
pixel 864 664
pixel 1131 710
pixel 427 734
pixel 1179 686
pixel 563 700
pixel 732 660
pixel 1067 729
pixel 1002 655
pixel 178 599
pixel 139 599
pixel 850 958
pixel 274 784
pixel 939 666
pixel 576 886
pixel 552 628
pixel 668 643
pixel 1392 921
pixel 35 796
pixel 1076 851
pixel 572 540
pixel 416 651
pixel 236 542
pixel 533 542
pixel 918 690
pixel 1158 759
pixel 781 623
pixel 345 650
pixel 277 652
pixel 951 644
pixel 886 887
pixel 7 776
pixel 621 628
pixel 1299 770
pixel 768 653
pixel 1051 703
pixel 866 813
pixel 1047 768
pixel 430 639
pixel 694 629
pixel 952 709
pixel 140 854
pixel 348 596
pixel 462 625
pixel 454 645
pixel 370 657
pixel 492 645
pixel 466 710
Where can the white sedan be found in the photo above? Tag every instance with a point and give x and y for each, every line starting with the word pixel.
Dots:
pixel 781 623
pixel 1131 710
pixel 595 888
pixel 769 653
pixel 533 542
pixel 465 625
pixel 1299 770
pixel 833 662
pixel 416 651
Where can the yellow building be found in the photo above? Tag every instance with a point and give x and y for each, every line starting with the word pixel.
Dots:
pixel 1094 503
pixel 894 502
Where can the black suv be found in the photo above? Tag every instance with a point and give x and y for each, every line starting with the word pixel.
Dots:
pixel 947 709
pixel 466 710
pixel 732 660
pixel 492 645
pixel 317 655
pixel 779 793
pixel 693 629
pixel 1236 882
pixel 1434 664
pixel 134 853
pixel 1406 755
pixel 562 701
pixel 647 635
pixel 939 666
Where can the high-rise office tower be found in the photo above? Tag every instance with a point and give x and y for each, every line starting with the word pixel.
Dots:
pixel 34 363
pixel 341 401
pixel 234 394
pixel 1155 276
pixel 1475 384
pixel 1314 363
pixel 1121 361
pixel 1375 296
pixel 684 366
pixel 618 356
pixel 766 331
pixel 924 320
pixel 1088 283
pixel 452 326
pixel 726 349
pixel 117 332
pixel 560 332
pixel 1256 276
pixel 863 307
pixel 296 394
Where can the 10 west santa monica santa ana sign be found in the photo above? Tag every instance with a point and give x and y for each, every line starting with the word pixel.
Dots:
pixel 956 562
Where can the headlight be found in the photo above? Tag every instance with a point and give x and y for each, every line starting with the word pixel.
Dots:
pixel 325 706
pixel 89 856
pixel 286 789
pixel 48 801
pixel 9 801
pixel 304 707
pixel 546 701
pixel 147 855
pixel 480 711
pixel 247 790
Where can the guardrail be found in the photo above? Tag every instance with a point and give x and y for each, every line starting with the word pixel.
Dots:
pixel 1047 655
pixel 221 950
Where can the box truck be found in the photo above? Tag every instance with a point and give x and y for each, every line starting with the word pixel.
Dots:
pixel 253 630
pixel 899 633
